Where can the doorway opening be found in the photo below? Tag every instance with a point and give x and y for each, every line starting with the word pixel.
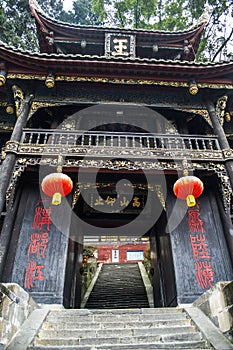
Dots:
pixel 113 261
pixel 120 219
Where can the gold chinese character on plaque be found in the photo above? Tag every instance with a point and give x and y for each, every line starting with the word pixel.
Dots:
pixel 136 202
pixel 124 202
pixel 110 201
pixel 119 45
pixel 99 201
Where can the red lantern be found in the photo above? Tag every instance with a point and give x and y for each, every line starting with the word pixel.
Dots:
pixel 188 188
pixel 57 185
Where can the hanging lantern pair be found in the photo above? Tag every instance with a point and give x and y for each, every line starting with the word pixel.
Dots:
pixel 57 185
pixel 188 188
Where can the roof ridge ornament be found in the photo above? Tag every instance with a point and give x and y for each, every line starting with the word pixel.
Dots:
pixel 33 4
pixel 204 18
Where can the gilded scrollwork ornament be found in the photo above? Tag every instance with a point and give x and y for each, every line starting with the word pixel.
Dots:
pixel 120 164
pixel 3 154
pixel 221 107
pixel 224 185
pixel 228 153
pixel 77 192
pixel 18 98
pixel 18 170
pixel 41 104
pixel 11 146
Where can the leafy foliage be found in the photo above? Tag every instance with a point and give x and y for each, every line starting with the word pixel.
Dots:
pixel 18 25
pixel 14 32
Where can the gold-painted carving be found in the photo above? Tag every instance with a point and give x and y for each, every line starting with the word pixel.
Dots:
pixel 228 153
pixel 6 127
pixel 39 104
pixel 76 195
pixel 3 156
pixel 75 78
pixel 193 88
pixel 50 81
pixel 10 109
pixel 2 77
pixel 227 117
pixel 18 98
pixel 221 107
pixel 11 146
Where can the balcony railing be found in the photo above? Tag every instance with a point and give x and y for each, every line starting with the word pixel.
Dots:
pixel 113 144
pixel 114 139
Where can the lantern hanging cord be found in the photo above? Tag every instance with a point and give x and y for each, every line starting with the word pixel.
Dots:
pixel 185 167
pixel 59 163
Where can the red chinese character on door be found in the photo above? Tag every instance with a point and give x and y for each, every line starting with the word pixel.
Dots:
pixel 39 243
pixel 194 221
pixel 204 273
pixel 199 246
pixel 42 217
pixel 33 273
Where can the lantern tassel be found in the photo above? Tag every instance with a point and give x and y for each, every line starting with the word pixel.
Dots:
pixel 190 200
pixel 56 200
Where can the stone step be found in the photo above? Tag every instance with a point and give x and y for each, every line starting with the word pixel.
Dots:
pixel 136 315
pixel 163 338
pixel 88 334
pixel 175 346
pixel 115 325
pixel 121 318
pixel 118 286
pixel 110 305
pixel 164 310
pixel 119 329
pixel 119 332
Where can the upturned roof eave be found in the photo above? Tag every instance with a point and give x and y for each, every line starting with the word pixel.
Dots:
pixel 34 6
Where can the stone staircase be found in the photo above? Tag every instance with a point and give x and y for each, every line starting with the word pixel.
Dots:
pixel 48 328
pixel 118 286
pixel 116 329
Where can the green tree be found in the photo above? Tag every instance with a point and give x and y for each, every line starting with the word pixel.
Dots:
pixel 17 24
pixel 83 13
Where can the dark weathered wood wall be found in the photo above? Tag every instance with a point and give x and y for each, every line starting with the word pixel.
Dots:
pixel 199 248
pixel 41 252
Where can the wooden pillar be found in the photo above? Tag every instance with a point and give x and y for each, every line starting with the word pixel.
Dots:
pixel 6 239
pixel 9 161
pixel 227 226
pixel 218 130
pixel 6 169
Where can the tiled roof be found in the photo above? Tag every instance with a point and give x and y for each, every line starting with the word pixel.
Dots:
pixel 136 70
pixel 62 56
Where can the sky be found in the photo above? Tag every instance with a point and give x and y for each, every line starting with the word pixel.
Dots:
pixel 67 4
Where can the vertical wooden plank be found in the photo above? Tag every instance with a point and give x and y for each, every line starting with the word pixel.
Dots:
pixel 41 254
pixel 165 262
pixel 212 253
pixel 155 273
pixel 11 228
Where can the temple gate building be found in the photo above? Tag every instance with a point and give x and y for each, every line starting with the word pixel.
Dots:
pixel 124 114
